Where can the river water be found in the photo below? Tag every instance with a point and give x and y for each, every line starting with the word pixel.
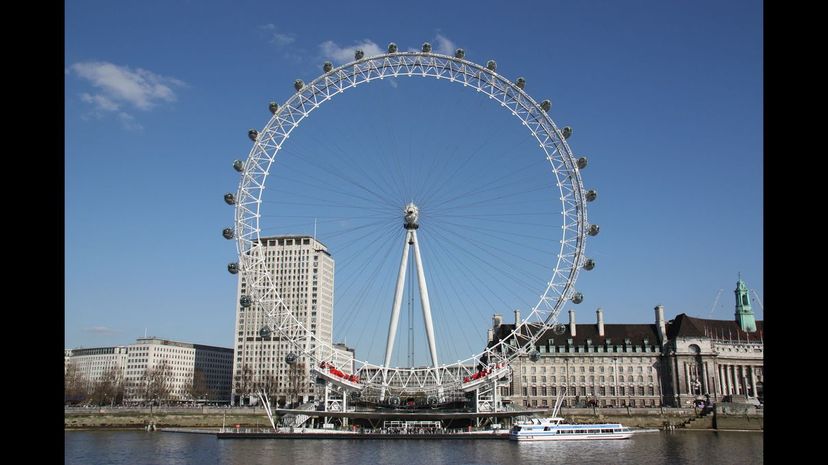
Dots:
pixel 161 448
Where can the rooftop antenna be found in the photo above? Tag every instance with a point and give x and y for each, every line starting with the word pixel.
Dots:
pixel 314 229
pixel 145 333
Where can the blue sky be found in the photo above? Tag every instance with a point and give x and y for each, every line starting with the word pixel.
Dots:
pixel 665 98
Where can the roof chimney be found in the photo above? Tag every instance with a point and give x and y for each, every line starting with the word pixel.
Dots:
pixel 517 318
pixel 497 320
pixel 572 323
pixel 600 313
pixel 662 328
pixel 490 335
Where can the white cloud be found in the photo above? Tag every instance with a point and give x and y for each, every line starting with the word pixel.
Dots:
pixel 121 85
pixel 444 45
pixel 101 330
pixel 128 122
pixel 100 102
pixel 331 51
pixel 280 39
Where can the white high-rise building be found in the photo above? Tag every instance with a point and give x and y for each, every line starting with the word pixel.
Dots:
pixel 93 363
pixel 303 272
pixel 184 364
pixel 189 369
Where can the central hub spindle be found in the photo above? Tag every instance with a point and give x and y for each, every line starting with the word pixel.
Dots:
pixel 412 216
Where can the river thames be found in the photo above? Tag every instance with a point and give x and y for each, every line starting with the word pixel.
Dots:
pixel 157 448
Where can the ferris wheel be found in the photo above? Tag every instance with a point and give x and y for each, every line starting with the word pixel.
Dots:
pixel 437 376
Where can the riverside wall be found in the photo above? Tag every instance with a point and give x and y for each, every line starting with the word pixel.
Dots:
pixel 215 417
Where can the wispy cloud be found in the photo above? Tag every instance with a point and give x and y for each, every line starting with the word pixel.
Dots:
pixel 101 331
pixel 120 86
pixel 338 54
pixel 444 45
pixel 280 39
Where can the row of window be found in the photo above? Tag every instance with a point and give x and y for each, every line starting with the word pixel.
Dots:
pixel 583 369
pixel 584 391
pixel 592 379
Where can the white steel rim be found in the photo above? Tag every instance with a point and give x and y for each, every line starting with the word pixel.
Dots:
pixel 543 315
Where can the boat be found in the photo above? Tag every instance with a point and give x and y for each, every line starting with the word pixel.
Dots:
pixel 555 428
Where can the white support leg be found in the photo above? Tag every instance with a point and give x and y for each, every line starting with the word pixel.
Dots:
pixel 432 347
pixel 395 311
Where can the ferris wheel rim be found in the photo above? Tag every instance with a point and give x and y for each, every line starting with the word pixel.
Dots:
pixel 559 289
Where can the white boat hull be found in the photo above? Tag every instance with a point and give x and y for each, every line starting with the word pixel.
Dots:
pixel 540 436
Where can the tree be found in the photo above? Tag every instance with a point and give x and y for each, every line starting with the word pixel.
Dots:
pixel 270 386
pixel 198 387
pixel 244 382
pixel 156 382
pixel 74 385
pixel 109 388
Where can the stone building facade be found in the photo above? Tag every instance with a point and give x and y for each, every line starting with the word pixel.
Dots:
pixel 183 362
pixel 670 363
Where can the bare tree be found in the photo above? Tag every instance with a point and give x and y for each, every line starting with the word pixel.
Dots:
pixel 74 385
pixel 109 388
pixel 156 382
pixel 270 386
pixel 198 387
pixel 244 382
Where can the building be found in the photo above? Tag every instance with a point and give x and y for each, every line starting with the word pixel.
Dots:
pixel 188 371
pixel 303 272
pixel 90 365
pixel 344 357
pixel 671 363
pixel 158 369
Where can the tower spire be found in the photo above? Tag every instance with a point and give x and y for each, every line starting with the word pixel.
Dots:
pixel 744 314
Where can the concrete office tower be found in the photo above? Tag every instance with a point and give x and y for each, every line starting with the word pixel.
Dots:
pixel 303 272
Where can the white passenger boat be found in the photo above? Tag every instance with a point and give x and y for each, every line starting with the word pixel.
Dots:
pixel 556 429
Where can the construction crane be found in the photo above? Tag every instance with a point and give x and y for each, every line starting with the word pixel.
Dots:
pixel 715 301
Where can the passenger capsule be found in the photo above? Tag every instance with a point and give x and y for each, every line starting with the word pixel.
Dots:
pixel 432 400
pixel 546 105
pixel 229 199
pixel 534 356
pixel 274 107
pixel 582 163
pixel 593 230
pixel 238 165
pixel 521 82
pixel 459 53
pixel 233 268
pixel 392 48
pixel 227 233
pixel 577 298
pixel 327 67
pixel 589 264
pixel 245 301
pixel 291 358
pixel 566 132
pixel 558 329
pixel 491 64
pixel 298 84
pixel 253 134
pixel 426 47
pixel 358 54
pixel 265 332
pixel 591 195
